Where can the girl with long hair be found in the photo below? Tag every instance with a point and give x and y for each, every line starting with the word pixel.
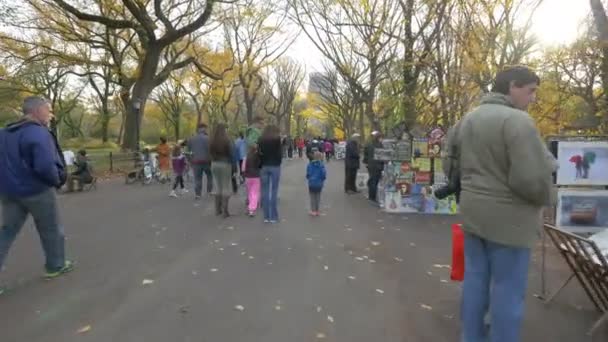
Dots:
pixel 222 168
pixel 271 155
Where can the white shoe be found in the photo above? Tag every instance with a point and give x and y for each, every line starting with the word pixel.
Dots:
pixel 173 194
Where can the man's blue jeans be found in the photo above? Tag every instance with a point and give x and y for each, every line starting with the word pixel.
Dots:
pixel 199 170
pixel 43 208
pixel 495 278
pixel 271 176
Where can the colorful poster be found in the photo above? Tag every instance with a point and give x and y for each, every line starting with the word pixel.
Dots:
pixel 423 177
pixel 435 150
pixel 403 188
pixel 582 211
pixel 422 164
pixel 406 167
pixel 420 148
pixel 582 163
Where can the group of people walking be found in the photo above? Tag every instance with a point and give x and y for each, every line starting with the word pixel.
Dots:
pixel 254 160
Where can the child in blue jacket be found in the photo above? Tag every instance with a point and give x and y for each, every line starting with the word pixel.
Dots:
pixel 315 174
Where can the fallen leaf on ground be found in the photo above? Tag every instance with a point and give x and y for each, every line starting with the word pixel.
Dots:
pixel 375 243
pixel 444 281
pixel 429 273
pixel 321 247
pixel 184 309
pixel 319 309
pixel 359 258
pixel 346 226
pixel 349 229
pixel 220 249
pixel 147 282
pixel 239 308
pixel 269 263
pixel 441 266
pixel 230 228
pixel 164 228
pixel 398 259
pixel 382 228
pixel 161 247
pixel 448 316
pixel 365 257
pixel 372 261
pixel 243 253
pixel 352 277
pixel 288 248
pixel 330 319
pixel 234 244
pixel 326 268
pixel 308 239
pixel 194 273
pixel 379 220
pixel 350 252
pixel 267 239
pixel 321 335
pixel 426 307
pixel 379 291
pixel 251 257
pixel 412 244
pixel 277 307
pixel 216 241
pixel 213 270
pixel 84 329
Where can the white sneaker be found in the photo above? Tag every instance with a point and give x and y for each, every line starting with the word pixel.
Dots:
pixel 173 194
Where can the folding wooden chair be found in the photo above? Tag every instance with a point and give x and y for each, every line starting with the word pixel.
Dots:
pixel 588 265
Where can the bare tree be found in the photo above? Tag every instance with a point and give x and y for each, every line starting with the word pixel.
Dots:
pixel 256 33
pixel 284 79
pixel 171 99
pixel 360 40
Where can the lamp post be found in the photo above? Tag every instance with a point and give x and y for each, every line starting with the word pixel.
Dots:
pixel 137 110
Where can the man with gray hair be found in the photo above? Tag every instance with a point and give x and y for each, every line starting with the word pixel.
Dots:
pixel 31 167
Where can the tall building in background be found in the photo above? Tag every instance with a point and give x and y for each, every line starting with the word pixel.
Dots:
pixel 317 84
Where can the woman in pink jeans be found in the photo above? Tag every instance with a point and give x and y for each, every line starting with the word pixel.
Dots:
pixel 252 179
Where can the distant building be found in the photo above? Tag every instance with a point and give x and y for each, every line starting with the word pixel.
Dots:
pixel 317 84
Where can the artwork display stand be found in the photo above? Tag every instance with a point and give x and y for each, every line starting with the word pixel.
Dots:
pixel 582 209
pixel 412 172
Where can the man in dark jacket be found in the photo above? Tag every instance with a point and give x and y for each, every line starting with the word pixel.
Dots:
pixel 374 167
pixel 351 164
pixel 31 167
pixel 198 146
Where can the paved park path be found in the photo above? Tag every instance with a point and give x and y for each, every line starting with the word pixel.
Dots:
pixel 151 268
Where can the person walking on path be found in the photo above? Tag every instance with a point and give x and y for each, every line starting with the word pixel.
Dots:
pixel 31 169
pixel 351 164
pixel 505 175
pixel 252 179
pixel 223 167
pixel 164 159
pixel 178 161
pixel 198 146
pixel 374 167
pixel 254 131
pixel 241 152
pixel 328 147
pixel 315 174
pixel 301 146
pixel 271 155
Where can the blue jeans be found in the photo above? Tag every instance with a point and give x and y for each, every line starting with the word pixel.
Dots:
pixel 43 208
pixel 199 170
pixel 495 277
pixel 270 188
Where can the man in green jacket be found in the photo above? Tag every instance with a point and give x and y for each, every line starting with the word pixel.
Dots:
pixel 505 178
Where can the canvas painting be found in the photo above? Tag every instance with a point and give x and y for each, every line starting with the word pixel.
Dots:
pixel 582 211
pixel 422 164
pixel 582 163
pixel 420 148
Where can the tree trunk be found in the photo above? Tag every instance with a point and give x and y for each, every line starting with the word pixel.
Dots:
pixel 601 24
pixel 361 122
pixel 141 90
